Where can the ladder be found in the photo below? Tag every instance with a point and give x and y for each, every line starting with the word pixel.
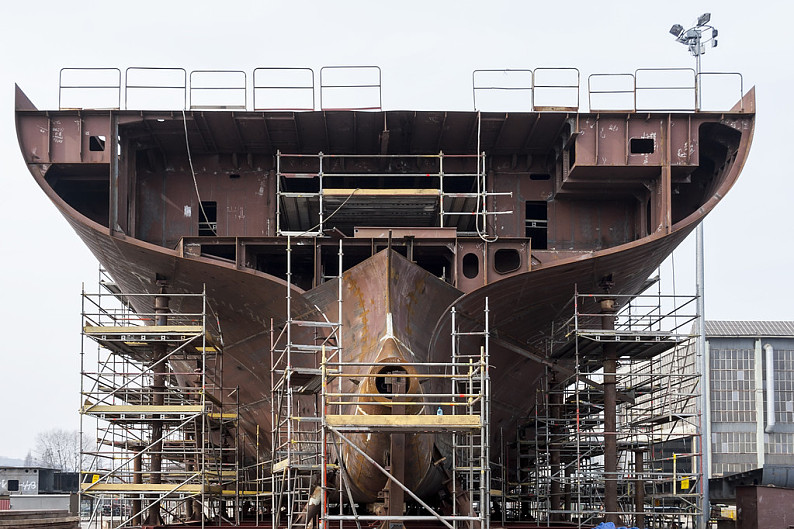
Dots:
pixel 296 382
pixel 471 485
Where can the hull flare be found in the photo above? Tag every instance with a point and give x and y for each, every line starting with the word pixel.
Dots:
pixel 383 222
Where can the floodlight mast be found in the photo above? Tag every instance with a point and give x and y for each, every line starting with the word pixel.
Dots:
pixel 693 39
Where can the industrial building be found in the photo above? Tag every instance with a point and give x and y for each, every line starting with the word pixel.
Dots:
pixel 751 395
pixel 26 493
pixel 36 480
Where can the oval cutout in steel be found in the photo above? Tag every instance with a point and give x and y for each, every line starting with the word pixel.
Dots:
pixel 506 260
pixel 471 265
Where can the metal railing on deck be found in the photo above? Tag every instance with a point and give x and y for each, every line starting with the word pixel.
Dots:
pixel 209 90
pixel 282 84
pixel 156 87
pixel 66 86
pixel 612 91
pixel 650 84
pixel 360 88
pixel 554 89
pixel 515 83
pixel 659 90
pixel 699 81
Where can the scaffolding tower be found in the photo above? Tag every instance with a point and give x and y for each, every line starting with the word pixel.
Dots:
pixel 430 190
pixel 459 413
pixel 563 471
pixel 296 454
pixel 166 437
pixel 471 461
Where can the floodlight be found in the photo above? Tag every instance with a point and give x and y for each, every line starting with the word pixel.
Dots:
pixel 695 42
pixel 692 34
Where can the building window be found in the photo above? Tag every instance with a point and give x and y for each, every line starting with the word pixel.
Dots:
pixel 779 444
pixel 733 442
pixel 721 469
pixel 733 452
pixel 13 485
pixel 732 385
pixel 784 385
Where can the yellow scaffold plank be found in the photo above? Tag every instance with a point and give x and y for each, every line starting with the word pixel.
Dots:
pixel 141 409
pixel 140 330
pixel 228 492
pixel 222 415
pixel 404 422
pixel 381 192
pixel 223 474
pixel 280 465
pixel 154 488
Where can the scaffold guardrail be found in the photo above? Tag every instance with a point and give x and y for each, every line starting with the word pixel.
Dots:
pixel 561 474
pixel 155 394
pixel 294 89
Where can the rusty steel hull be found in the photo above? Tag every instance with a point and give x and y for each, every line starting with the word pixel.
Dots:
pixel 611 214
pixel 389 307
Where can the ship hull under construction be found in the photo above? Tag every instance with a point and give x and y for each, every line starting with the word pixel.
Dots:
pixel 434 210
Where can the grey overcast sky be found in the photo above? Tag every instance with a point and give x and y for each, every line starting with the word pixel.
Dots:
pixel 427 51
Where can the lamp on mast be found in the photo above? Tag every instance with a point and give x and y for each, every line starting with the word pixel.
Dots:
pixel 693 39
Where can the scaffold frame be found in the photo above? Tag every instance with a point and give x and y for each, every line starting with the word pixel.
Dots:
pixel 304 212
pixel 295 383
pixel 560 459
pixel 467 421
pixel 166 442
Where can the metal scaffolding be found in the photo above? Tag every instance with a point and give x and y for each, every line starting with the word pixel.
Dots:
pixel 461 414
pixel 166 437
pixel 580 458
pixel 314 424
pixel 471 448
pixel 428 190
pixel 296 382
